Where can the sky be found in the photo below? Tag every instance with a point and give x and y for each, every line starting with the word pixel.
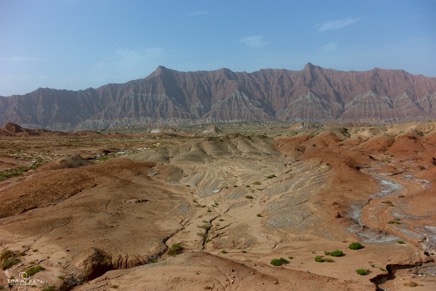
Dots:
pixel 77 44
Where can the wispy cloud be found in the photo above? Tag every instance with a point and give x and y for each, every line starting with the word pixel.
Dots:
pixel 254 41
pixel 198 13
pixel 338 23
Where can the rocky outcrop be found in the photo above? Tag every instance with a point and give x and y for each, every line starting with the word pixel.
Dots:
pixel 167 96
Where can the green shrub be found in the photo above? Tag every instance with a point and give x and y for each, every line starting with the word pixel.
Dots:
pixel 319 259
pixel 395 221
pixel 33 270
pixel 335 253
pixel 271 176
pixel 175 249
pixel 10 262
pixel 362 272
pixel 279 262
pixel 223 251
pixel 355 246
pixel 8 259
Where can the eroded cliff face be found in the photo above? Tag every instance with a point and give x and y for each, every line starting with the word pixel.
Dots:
pixel 169 96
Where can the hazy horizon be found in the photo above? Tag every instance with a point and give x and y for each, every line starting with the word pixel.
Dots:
pixel 79 44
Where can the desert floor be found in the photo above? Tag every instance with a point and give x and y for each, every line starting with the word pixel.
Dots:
pixel 195 209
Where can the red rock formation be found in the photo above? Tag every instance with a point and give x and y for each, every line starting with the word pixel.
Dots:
pixel 168 96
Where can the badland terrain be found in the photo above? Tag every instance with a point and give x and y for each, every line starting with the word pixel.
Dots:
pixel 128 187
pixel 173 97
pixel 233 206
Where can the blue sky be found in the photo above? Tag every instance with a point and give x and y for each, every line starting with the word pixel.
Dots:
pixel 76 44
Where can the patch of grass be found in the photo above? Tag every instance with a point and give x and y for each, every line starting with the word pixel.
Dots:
pixel 249 197
pixel 33 270
pixel 279 262
pixel 319 259
pixel 395 221
pixel 257 183
pixel 175 249
pixel 335 253
pixel 9 173
pixel 271 176
pixel 362 272
pixel 8 258
pixel 329 260
pixel 355 246
pixel 247 186
pixel 10 262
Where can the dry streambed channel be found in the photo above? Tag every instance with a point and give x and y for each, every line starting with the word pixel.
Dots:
pixel 425 234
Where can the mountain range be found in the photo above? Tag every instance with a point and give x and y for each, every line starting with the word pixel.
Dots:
pixel 168 96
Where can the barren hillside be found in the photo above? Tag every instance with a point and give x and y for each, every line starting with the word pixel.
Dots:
pixel 213 211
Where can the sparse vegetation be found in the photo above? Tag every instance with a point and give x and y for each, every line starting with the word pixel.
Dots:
pixel 355 246
pixel 401 242
pixel 362 272
pixel 223 251
pixel 259 215
pixel 49 288
pixel 335 253
pixel 279 262
pixel 115 286
pixel 8 258
pixel 319 259
pixel 395 221
pixel 175 249
pixel 257 183
pixel 271 176
pixel 249 197
pixel 33 270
